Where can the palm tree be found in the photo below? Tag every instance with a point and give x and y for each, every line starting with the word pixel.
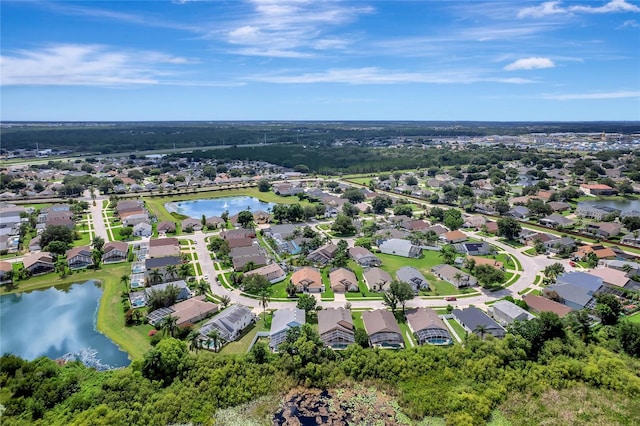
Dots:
pixel 202 287
pixel 215 339
pixel 194 340
pixel 457 277
pixel 470 264
pixel 170 325
pixel 480 329
pixel 291 289
pixel 155 276
pixel 448 254
pixel 225 301
pixel 170 271
pixel 265 298
pixel 184 270
pixel 125 279
pixel 627 268
pixel 96 257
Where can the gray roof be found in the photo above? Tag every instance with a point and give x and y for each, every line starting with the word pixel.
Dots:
pixel 161 262
pixel 226 321
pixel 284 319
pixel 580 279
pixel 331 318
pixel 512 310
pixel 473 317
pixel 411 275
pixel 181 284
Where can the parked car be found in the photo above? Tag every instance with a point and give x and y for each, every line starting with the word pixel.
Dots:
pixel 450 298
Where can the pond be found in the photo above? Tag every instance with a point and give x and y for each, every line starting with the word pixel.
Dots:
pixel 58 324
pixel 620 204
pixel 216 206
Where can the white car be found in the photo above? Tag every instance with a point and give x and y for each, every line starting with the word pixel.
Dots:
pixel 206 277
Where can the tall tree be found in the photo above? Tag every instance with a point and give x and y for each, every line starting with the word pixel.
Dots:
pixel 402 291
pixel 265 298
pixel 170 325
pixel 509 228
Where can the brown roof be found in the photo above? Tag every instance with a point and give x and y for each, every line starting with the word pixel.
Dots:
pixel 193 309
pixel 542 304
pixel 611 276
pixel 342 277
pixel 271 271
pixel 308 276
pixel 6 266
pixel 116 245
pixel 163 242
pixel 422 318
pixel 240 242
pixel 455 235
pixel 331 318
pixel 601 252
pixel 75 251
pixel 32 259
pixel 380 320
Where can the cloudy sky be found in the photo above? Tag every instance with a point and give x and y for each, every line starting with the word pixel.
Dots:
pixel 316 60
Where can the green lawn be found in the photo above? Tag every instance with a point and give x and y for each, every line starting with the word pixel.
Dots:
pixel 461 332
pixel 241 345
pixel 85 239
pixel 514 244
pixel 279 290
pixel 635 318
pixel 407 335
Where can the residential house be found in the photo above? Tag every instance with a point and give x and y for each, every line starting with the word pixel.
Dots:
pixel 160 263
pixel 518 212
pixel 631 240
pixel 413 277
pixel 229 323
pixel 556 221
pixel 39 263
pixel 605 229
pixel 505 312
pixel 34 244
pixel 577 290
pixel 134 219
pixel 454 275
pixel 611 277
pixel 261 217
pixel 597 189
pixel 383 329
pixel 475 222
pixel 335 327
pixel 115 251
pixel 453 237
pixel 79 257
pixel 191 223
pixel 400 247
pixel 595 212
pixel 377 279
pixel 633 268
pixel 561 245
pixel 492 227
pixel 60 219
pixel 240 262
pixel 6 272
pixel 214 222
pixel 600 251
pixel 343 280
pixel 181 285
pixel 559 206
pixel 364 257
pixel 427 327
pixel 272 272
pixel 187 312
pixel 383 235
pixel 473 320
pixel 285 189
pixel 474 249
pixel 161 247
pixel 323 255
pixel 307 280
pixel 542 304
pixel 142 229
pixel 231 234
pixel 240 242
pixel 415 225
pixel 166 226
pixel 284 320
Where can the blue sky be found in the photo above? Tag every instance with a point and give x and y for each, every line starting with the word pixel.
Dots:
pixel 315 60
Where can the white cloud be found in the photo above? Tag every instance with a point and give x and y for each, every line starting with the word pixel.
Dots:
pixel 530 64
pixel 601 95
pixel 554 8
pixel 631 23
pixel 375 75
pixel 86 65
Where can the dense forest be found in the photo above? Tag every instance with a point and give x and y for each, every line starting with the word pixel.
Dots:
pixel 561 378
pixel 108 138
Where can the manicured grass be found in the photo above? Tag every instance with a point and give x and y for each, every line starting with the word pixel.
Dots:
pixel 241 345
pixel 407 335
pixel 134 340
pixel 530 252
pixel 357 319
pixel 514 244
pixel 279 290
pixel 461 332
pixel 635 318
pixel 391 263
pixel 85 239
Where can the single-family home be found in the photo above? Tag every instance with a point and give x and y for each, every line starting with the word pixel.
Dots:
pixel 597 189
pixel 542 304
pixel 415 225
pixel 230 323
pixel 474 222
pixel 214 222
pixel 473 320
pixel 454 275
pixel 307 279
pixel 575 289
pixel 188 311
pixel 6 272
pixel 115 251
pixel 383 329
pixel 134 219
pixel 284 320
pixel 272 272
pixel 335 327
pixel 453 237
pixel 383 235
pixel 505 312
pixel 400 247
pixel 631 239
pixel 166 226
pixel 561 245
pixel 181 285
pixel 612 278
pixel 474 249
pixel 518 212
pixel 142 229
pixel 600 251
pixel 364 257
pixel 34 244
pixel 485 261
pixel 231 234
pixel 595 212
pixel 191 224
pixel 343 280
pixel 377 279
pixel 427 326
pixel 242 262
pixel 556 221
pixel 559 206
pixel 79 257
pixel 323 255
pixel 39 263
pixel 413 277
pixel 604 229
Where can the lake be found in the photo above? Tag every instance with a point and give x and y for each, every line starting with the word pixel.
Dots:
pixel 217 206
pixel 58 324
pixel 622 205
